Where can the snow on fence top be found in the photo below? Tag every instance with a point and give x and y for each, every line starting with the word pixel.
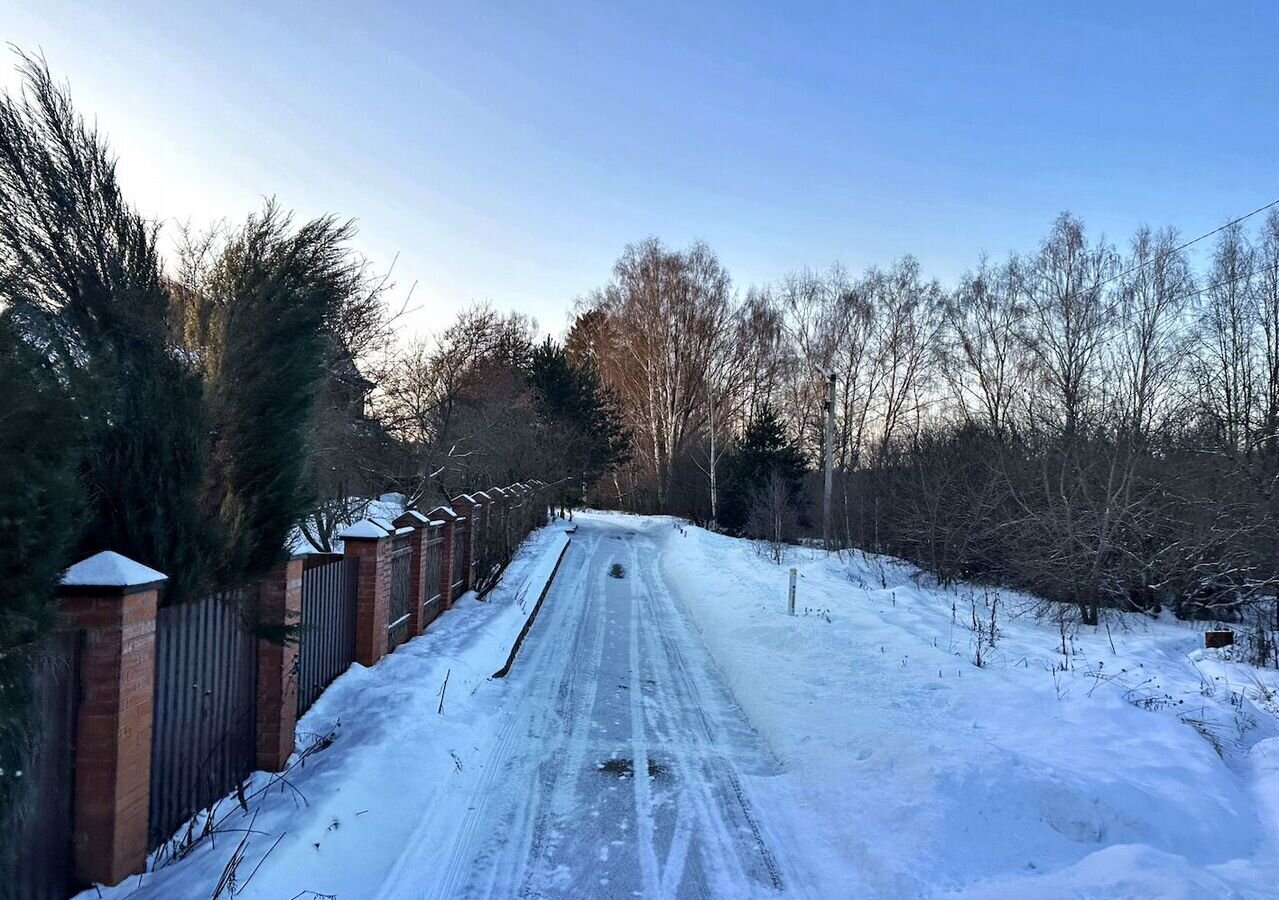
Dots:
pixel 366 529
pixel 110 569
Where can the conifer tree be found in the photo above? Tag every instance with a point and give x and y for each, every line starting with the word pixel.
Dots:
pixel 763 451
pixel 80 278
pixel 581 421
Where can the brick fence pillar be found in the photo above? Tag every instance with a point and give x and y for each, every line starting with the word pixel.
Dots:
pixel 113 601
pixel 449 517
pixel 418 592
pixel 499 527
pixel 280 605
pixel 483 534
pixel 468 506
pixel 519 514
pixel 370 543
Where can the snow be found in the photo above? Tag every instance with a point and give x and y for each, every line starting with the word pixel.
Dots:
pixel 386 508
pixel 853 750
pixel 110 569
pixel 930 776
pixel 344 816
pixel 363 530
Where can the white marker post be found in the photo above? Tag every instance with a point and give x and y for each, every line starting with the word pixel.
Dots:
pixel 794 573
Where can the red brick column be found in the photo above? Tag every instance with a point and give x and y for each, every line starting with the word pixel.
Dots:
pixel 499 513
pixel 518 515
pixel 113 601
pixel 371 545
pixel 280 605
pixel 469 507
pixel 421 526
pixel 449 518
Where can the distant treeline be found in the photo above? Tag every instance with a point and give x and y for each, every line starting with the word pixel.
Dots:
pixel 1096 424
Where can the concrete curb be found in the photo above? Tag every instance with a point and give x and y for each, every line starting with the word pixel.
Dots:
pixel 546 588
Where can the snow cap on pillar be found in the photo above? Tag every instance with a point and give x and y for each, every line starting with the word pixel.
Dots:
pixel 411 519
pixel 109 569
pixel 444 512
pixel 364 530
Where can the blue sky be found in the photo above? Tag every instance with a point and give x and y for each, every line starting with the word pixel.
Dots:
pixel 508 151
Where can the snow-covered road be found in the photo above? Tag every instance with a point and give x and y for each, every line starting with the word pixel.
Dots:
pixel 615 761
pixel 621 767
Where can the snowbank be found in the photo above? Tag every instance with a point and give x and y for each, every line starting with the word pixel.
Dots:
pixel 1150 769
pixel 340 816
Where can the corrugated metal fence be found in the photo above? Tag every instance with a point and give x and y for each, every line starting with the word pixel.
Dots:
pixel 204 739
pixel 326 641
pixel 44 829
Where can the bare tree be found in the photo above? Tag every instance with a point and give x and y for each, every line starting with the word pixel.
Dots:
pixel 1227 341
pixel 773 519
pixel 669 314
pixel 985 361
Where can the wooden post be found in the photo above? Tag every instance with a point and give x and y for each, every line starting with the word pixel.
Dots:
pixel 829 479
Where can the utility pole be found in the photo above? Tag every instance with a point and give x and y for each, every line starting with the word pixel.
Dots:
pixel 830 458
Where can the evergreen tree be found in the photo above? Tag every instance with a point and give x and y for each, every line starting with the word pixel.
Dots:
pixel 39 511
pixel 266 298
pixel 582 426
pixel 763 451
pixel 80 277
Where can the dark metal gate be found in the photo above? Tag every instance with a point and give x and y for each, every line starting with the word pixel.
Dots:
pixel 204 739
pixel 326 641
pixel 433 597
pixel 46 822
pixel 397 629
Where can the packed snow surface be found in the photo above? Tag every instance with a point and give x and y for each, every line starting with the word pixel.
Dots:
pixel 669 731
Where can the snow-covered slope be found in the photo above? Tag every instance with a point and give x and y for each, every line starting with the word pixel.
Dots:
pixel 1134 765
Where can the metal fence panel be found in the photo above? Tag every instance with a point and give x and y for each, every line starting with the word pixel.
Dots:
pixel 326 641
pixel 397 630
pixel 204 739
pixel 45 828
pixel 431 605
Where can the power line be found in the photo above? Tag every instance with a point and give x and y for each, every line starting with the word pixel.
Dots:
pixel 1127 317
pixel 1175 250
